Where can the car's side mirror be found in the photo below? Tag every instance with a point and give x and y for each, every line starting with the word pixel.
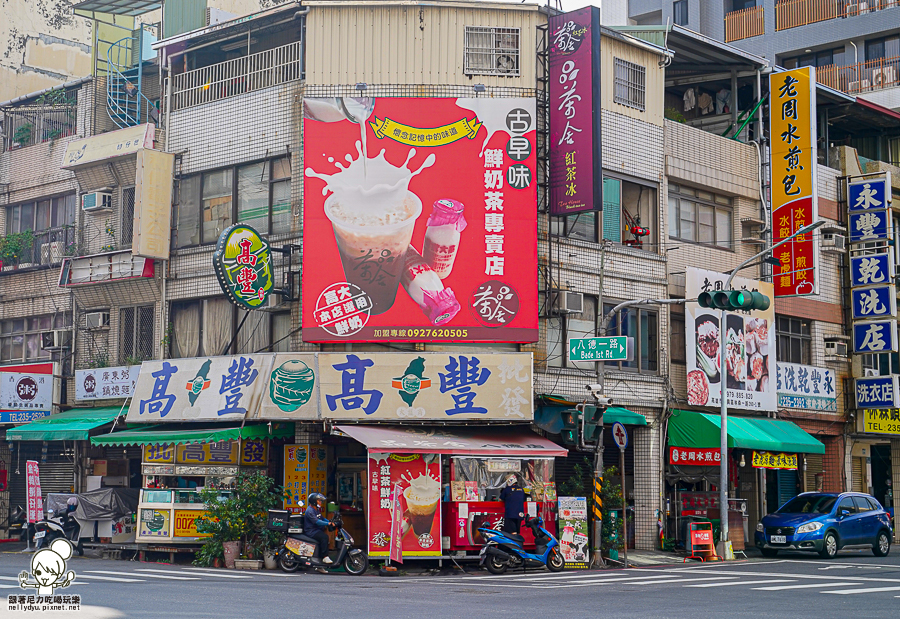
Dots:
pixel 845 513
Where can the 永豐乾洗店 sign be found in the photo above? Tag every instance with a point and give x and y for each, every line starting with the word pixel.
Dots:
pixel 806 387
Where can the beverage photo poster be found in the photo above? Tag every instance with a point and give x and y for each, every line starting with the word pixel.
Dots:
pixel 419 477
pixel 420 220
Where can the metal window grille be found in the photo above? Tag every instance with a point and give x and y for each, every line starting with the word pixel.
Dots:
pixel 630 84
pixel 135 334
pixel 127 217
pixel 491 51
pixel 52 115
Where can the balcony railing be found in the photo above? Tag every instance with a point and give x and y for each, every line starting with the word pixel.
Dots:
pixel 28 249
pixel 795 13
pixel 237 76
pixel 744 24
pixel 52 115
pixel 867 76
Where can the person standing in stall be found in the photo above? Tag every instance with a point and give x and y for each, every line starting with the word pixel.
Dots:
pixel 513 497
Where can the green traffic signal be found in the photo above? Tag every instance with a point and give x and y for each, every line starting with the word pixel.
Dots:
pixel 733 300
pixel 571 419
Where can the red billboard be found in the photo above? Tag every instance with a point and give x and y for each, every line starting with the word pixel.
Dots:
pixel 576 172
pixel 420 220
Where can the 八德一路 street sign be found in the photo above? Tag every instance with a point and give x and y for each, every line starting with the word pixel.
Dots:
pixel 599 349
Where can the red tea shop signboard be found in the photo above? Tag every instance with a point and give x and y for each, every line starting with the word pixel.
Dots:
pixel 420 220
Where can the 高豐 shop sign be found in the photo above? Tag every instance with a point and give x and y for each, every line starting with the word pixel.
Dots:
pixel 27 392
pixel 349 386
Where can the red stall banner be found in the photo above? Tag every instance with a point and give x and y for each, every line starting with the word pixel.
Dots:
pixel 418 477
pixel 420 220
pixel 35 510
pixel 694 456
pixel 397 525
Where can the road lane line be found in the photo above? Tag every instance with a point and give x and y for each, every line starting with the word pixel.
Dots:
pixel 855 591
pixel 807 586
pixel 213 573
pixel 740 582
pixel 636 581
pixel 841 576
pixel 143 575
pixel 110 578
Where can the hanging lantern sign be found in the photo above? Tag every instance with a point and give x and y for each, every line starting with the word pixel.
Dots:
pixel 243 265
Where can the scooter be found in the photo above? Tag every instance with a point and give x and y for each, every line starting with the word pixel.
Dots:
pixel 64 526
pixel 298 550
pixel 504 550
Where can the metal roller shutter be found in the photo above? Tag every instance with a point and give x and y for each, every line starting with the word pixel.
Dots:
pixel 859 478
pixel 787 486
pixel 57 470
pixel 814 466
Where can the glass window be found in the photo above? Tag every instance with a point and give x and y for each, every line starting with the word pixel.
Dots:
pixel 809 504
pixel 862 504
pixel 643 326
pixel 281 331
pixel 680 10
pixel 629 84
pixel 677 350
pixel 187 219
pixel 704 219
pixel 281 195
pixel 793 340
pixel 217 194
pixel 563 328
pixel 20 339
pixel 846 504
pixel 253 196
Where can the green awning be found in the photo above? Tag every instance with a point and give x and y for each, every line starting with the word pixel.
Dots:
pixel 624 416
pixel 163 435
pixel 72 425
pixel 703 430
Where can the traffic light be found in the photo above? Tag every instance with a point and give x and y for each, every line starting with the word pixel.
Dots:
pixel 593 422
pixel 733 300
pixel 571 419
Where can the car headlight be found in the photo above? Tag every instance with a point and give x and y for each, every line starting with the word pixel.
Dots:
pixel 809 527
pixel 760 527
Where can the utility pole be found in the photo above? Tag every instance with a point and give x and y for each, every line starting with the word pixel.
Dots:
pixel 597 561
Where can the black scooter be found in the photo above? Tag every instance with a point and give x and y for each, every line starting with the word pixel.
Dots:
pixel 298 550
pixel 64 526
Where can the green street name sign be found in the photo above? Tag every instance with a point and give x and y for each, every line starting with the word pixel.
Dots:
pixel 599 349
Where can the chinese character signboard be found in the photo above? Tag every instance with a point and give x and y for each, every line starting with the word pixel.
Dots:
pixel 420 221
pixel 305 470
pixel 575 165
pixel 419 478
pixel 397 524
pixel 749 350
pixel 695 456
pixel 869 203
pixel 186 523
pixel 878 392
pixel 792 127
pixel 874 302
pixel 573 532
pixel 416 387
pixel 243 265
pixel 26 392
pixel 222 452
pixel 871 270
pixel 35 510
pixel 805 386
pixel 765 460
pixel 159 454
pixel 875 337
pixel 882 421
pixel 106 383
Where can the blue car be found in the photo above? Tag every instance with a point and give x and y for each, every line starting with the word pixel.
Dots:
pixel 825 523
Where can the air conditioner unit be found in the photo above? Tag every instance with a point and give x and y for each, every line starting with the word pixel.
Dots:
pixel 217 16
pixel 835 349
pixel 834 242
pixel 96 320
pixel 51 253
pixel 870 373
pixel 884 76
pixel 859 86
pixel 95 201
pixel 56 339
pixel 565 302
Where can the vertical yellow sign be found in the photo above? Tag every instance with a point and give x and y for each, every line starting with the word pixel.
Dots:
pixel 305 472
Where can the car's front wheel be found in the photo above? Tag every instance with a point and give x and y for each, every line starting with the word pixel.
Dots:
pixel 829 547
pixel 882 545
pixel 769 552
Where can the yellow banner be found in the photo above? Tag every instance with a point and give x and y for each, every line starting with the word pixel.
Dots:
pixel 433 136
pixel 186 523
pixel 764 460
pixel 221 453
pixel 886 421
pixel 159 454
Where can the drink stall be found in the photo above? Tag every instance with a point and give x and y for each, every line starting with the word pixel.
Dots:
pixel 450 480
pixel 177 464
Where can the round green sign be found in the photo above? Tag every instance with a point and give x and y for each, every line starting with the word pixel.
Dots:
pixel 243 265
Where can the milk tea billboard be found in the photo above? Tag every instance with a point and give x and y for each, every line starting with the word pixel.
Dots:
pixel 420 220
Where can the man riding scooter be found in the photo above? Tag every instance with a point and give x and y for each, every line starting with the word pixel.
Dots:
pixel 315 525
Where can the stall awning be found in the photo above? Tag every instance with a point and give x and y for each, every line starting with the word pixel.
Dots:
pixel 548 417
pixel 72 425
pixel 702 430
pixel 624 416
pixel 495 441
pixel 163 435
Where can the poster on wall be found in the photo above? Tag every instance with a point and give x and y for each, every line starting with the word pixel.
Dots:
pixel 305 471
pixel 419 478
pixel 155 523
pixel 749 347
pixel 26 392
pixel 576 172
pixel 420 220
pixel 573 532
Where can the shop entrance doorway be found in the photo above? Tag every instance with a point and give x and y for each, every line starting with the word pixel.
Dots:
pixel 781 487
pixel 881 473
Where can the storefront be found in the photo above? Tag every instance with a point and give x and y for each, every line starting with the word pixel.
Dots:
pixel 766 457
pixel 875 457
pixel 178 463
pixel 450 478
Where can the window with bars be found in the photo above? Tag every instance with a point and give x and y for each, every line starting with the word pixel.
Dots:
pixel 491 51
pixel 794 340
pixel 52 224
pixel 135 334
pixel 630 84
pixel 127 217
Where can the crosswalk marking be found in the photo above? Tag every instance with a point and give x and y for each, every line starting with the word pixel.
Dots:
pixel 868 590
pixel 206 572
pixel 143 574
pixel 807 586
pixel 740 582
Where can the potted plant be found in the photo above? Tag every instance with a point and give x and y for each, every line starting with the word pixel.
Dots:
pixel 14 246
pixel 238 517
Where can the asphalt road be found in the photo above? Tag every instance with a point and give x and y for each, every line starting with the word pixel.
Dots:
pixel 855 584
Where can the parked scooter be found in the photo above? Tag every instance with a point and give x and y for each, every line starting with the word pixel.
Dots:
pixel 16 524
pixel 504 550
pixel 298 550
pixel 63 526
